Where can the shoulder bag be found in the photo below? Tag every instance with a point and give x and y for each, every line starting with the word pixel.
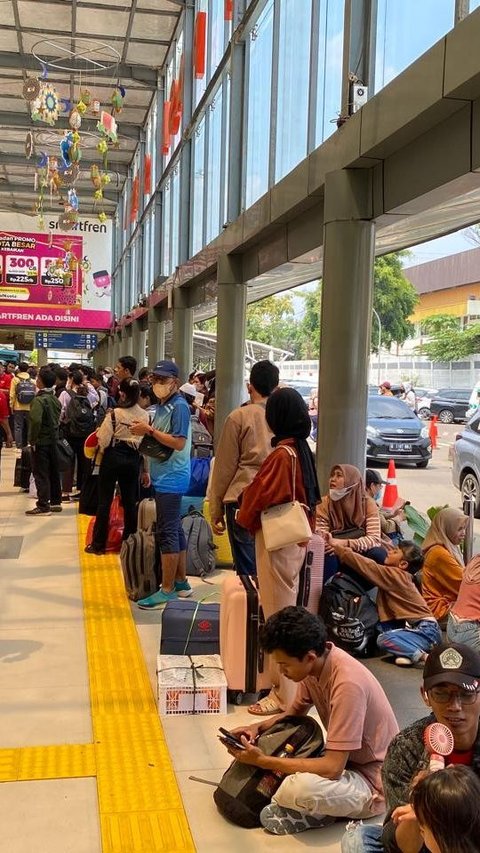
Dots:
pixel 286 524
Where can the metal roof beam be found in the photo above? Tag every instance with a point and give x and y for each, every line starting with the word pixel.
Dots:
pixel 82 192
pixel 125 71
pixel 86 4
pixel 90 36
pixel 20 160
pixel 10 119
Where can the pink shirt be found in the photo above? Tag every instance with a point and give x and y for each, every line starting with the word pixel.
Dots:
pixel 356 713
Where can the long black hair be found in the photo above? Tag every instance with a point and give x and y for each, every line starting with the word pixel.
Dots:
pixel 287 416
pixel 446 802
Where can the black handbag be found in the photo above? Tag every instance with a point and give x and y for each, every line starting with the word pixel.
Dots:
pixel 350 533
pixel 64 455
pixel 152 448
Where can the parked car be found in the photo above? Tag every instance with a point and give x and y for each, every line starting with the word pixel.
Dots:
pixel 466 462
pixel 450 404
pixel 395 432
pixel 424 398
pixel 303 386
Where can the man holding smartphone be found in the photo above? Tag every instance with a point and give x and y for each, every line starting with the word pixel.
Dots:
pixel 345 781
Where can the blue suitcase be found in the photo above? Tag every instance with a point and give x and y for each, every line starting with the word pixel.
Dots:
pixel 190 628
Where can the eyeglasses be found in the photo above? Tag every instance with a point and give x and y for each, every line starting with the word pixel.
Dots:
pixel 444 697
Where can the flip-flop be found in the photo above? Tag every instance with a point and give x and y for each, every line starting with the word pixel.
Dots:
pixel 265 706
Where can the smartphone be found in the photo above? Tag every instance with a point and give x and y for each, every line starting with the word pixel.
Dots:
pixel 230 739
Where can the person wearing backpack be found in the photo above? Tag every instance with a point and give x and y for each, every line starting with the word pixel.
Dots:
pixel 77 420
pixel 171 428
pixel 42 438
pixel 22 394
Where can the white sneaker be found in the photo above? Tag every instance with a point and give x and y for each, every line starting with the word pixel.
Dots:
pixel 403 662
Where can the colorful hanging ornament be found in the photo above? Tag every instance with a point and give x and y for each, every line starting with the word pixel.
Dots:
pixel 31 89
pixel 46 106
pixel 75 119
pixel 85 97
pixel 95 107
pixel 95 176
pixel 70 175
pixel 116 98
pixel 102 216
pixel 72 200
pixel 107 127
pixel 29 145
pixel 66 146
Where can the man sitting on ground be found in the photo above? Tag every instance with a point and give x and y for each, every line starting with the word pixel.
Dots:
pixel 409 630
pixel 451 684
pixel 346 780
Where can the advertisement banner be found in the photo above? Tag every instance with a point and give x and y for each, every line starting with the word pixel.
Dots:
pixel 34 291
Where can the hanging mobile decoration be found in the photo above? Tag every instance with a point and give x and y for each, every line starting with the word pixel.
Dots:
pixel 85 97
pixel 96 107
pixel 29 145
pixel 31 89
pixel 66 146
pixel 75 118
pixel 70 175
pixel 116 98
pixel 46 106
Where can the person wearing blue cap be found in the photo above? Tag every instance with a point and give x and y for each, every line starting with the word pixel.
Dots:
pixel 170 478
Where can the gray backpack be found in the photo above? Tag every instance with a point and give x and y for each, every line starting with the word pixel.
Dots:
pixel 137 558
pixel 200 547
pixel 244 790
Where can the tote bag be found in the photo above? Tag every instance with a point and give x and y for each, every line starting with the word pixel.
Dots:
pixel 286 524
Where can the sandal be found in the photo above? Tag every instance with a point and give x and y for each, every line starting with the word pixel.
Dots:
pixel 265 707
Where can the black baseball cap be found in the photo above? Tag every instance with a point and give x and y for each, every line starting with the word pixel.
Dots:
pixel 372 476
pixel 166 368
pixel 453 663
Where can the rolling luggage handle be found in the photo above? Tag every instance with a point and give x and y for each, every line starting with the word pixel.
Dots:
pixel 469 510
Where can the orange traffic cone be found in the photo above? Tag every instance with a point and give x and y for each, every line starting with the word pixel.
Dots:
pixel 390 495
pixel 433 432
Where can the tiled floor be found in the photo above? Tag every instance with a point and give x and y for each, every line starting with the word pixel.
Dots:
pixel 44 698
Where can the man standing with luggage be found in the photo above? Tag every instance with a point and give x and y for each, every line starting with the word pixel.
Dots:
pixel 42 438
pixel 244 444
pixel 22 393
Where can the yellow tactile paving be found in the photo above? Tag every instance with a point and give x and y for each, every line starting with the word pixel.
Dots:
pixel 140 806
pixel 139 800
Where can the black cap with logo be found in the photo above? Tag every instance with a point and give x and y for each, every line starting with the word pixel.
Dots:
pixel 452 663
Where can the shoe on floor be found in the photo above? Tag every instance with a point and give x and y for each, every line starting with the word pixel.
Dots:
pixel 56 507
pixel 157 600
pixel 37 511
pixel 90 549
pixel 280 821
pixel 183 589
pixel 404 662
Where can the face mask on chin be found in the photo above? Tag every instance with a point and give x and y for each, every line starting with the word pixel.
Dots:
pixel 338 494
pixel 161 391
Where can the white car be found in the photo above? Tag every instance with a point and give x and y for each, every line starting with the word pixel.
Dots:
pixel 424 397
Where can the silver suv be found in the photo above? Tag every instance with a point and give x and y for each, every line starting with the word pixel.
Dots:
pixel 466 462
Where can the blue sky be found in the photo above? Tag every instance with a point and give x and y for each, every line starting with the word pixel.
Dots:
pixel 439 248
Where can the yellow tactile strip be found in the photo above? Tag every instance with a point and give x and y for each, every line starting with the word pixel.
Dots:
pixel 140 806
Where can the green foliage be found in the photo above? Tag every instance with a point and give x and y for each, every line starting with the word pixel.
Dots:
pixel 448 341
pixel 394 299
pixel 269 321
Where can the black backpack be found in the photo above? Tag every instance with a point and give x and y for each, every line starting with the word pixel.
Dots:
pixel 25 391
pixel 349 614
pixel 80 416
pixel 202 441
pixel 244 790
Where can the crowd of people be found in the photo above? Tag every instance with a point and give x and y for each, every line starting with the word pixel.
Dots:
pixel 143 425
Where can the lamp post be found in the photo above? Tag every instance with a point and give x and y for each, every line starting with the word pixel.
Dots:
pixel 379 343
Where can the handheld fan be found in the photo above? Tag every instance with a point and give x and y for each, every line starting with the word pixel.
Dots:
pixel 438 741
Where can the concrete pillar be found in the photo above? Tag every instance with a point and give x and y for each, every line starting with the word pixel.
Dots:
pixel 110 348
pixel 156 337
pixel 126 343
pixel 42 354
pixel 231 311
pixel 116 348
pixel 347 297
pixel 182 333
pixel 138 343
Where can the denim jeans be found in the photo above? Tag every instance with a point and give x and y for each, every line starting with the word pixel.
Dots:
pixel 362 839
pixel 464 631
pixel 241 543
pixel 410 642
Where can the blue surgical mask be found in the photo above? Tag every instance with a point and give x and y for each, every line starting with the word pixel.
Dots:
pixel 378 495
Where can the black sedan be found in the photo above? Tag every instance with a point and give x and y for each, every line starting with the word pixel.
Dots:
pixel 395 432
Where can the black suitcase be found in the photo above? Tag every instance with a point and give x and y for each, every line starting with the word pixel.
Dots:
pixel 190 628
pixel 23 469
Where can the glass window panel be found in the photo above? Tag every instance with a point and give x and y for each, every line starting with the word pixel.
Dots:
pixel 175 221
pixel 226 151
pixel 258 108
pixel 167 268
pixel 330 58
pixel 214 167
pixel 217 34
pixel 199 85
pixel 293 84
pixel 151 249
pixel 198 184
pixel 405 30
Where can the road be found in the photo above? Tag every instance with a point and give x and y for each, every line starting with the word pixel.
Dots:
pixel 432 486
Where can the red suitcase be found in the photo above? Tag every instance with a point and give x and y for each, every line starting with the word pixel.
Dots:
pixel 240 617
pixel 310 579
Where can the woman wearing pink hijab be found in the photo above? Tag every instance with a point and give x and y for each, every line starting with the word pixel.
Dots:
pixel 351 516
pixel 463 624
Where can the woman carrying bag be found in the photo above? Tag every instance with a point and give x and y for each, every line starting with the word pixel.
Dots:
pixel 120 463
pixel 287 476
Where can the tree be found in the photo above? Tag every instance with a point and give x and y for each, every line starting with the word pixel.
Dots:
pixel 449 342
pixel 269 321
pixel 394 299
pixel 308 330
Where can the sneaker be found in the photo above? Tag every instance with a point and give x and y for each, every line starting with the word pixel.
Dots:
pixel 404 662
pixel 90 549
pixel 280 821
pixel 183 589
pixel 157 600
pixel 38 511
pixel 56 507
